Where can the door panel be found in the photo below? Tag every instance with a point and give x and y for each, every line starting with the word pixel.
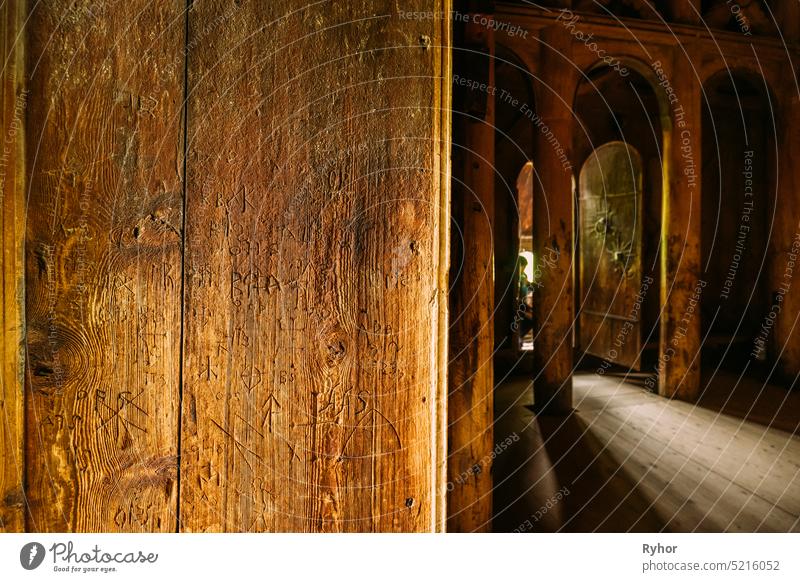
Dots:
pixel 610 254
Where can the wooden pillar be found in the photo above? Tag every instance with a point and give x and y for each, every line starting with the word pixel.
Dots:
pixel 681 282
pixel 553 208
pixel 104 155
pixel 315 336
pixel 784 279
pixel 685 11
pixel 13 101
pixel 470 401
pixel 787 16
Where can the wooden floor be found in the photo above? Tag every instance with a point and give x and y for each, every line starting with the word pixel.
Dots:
pixel 628 460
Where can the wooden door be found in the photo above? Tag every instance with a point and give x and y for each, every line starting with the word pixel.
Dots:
pixel 610 254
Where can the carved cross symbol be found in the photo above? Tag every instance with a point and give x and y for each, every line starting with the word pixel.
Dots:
pixel 123 282
pixel 242 193
pixel 113 412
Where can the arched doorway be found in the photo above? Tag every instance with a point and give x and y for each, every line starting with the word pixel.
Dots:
pixel 610 258
pixel 625 110
pixel 515 174
pixel 528 266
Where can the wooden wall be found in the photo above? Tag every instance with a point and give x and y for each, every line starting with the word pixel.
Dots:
pixel 236 311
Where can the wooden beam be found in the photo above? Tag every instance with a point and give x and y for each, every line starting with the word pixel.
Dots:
pixel 641 33
pixel 13 100
pixel 470 403
pixel 103 264
pixel 315 268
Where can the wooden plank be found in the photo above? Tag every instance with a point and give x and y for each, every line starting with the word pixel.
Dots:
pixel 13 101
pixel 758 459
pixel 602 496
pixel 685 495
pixel 103 264
pixel 471 384
pixel 314 268
pixel 443 127
pixel 701 470
pixel 687 490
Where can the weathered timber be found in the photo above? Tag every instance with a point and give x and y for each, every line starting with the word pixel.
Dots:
pixel 313 268
pixel 103 264
pixel 13 100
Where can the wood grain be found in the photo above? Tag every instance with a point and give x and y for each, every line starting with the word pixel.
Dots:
pixel 103 264
pixel 13 100
pixel 313 268
pixel 310 282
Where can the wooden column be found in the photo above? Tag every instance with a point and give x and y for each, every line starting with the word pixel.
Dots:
pixel 681 280
pixel 103 264
pixel 13 101
pixel 685 11
pixel 553 208
pixel 315 267
pixel 470 403
pixel 784 277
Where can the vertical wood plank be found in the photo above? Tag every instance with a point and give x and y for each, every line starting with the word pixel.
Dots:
pixel 442 167
pixel 13 100
pixel 313 267
pixel 103 264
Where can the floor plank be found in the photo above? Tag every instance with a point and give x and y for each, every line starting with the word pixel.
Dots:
pixel 633 461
